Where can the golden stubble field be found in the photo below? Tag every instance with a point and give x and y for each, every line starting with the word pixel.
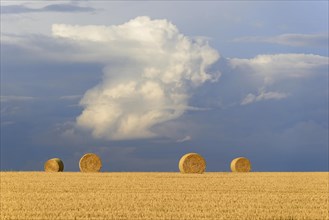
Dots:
pixel 74 195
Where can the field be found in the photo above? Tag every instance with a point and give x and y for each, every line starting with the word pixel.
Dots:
pixel 68 195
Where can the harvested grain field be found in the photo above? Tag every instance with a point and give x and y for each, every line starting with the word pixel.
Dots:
pixel 42 195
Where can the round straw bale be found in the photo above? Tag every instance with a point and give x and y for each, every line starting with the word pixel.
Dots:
pixel 192 163
pixel 54 165
pixel 240 164
pixel 90 163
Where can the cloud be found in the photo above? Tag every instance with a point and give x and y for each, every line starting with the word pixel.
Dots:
pixel 7 123
pixel 262 96
pixel 276 72
pixel 18 9
pixel 13 98
pixel 294 40
pixel 70 97
pixel 184 139
pixel 151 71
pixel 275 67
pixel 309 132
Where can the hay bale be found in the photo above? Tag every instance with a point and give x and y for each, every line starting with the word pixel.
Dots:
pixel 54 165
pixel 90 163
pixel 240 164
pixel 192 163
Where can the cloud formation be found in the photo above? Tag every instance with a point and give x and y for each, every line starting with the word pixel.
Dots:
pixel 275 67
pixel 271 70
pixel 184 139
pixel 261 96
pixel 70 97
pixel 151 72
pixel 294 40
pixel 14 98
pixel 18 9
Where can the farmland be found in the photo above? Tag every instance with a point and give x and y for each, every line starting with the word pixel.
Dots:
pixel 75 195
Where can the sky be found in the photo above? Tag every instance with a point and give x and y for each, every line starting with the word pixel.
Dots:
pixel 142 83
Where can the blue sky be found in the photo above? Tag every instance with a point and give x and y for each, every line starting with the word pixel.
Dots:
pixel 142 83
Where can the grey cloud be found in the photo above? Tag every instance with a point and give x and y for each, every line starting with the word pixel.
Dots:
pixel 262 96
pixel 6 123
pixel 16 98
pixel 70 97
pixel 186 138
pixel 18 9
pixel 294 40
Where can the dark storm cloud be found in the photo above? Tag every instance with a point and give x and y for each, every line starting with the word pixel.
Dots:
pixel 18 9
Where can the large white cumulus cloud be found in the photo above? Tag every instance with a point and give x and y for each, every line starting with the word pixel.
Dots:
pixel 150 72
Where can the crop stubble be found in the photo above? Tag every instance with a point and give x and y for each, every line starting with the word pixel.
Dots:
pixel 41 195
